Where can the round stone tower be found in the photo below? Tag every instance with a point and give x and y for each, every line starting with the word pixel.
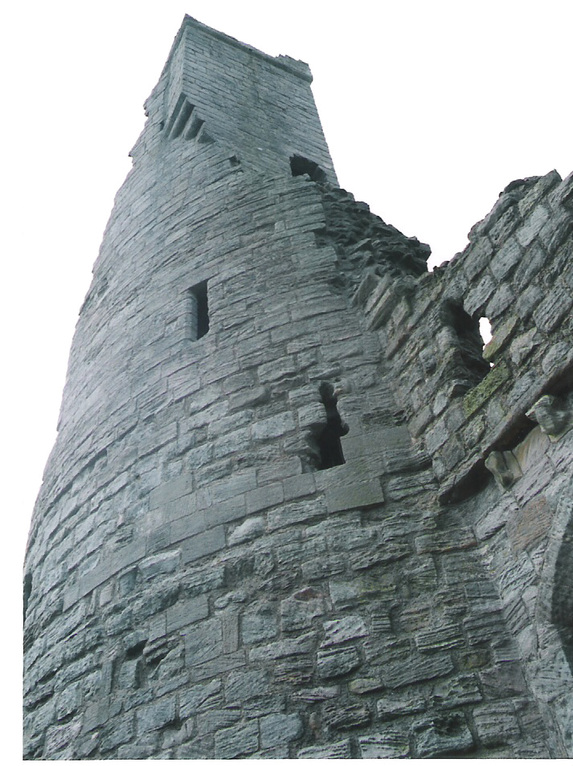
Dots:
pixel 239 548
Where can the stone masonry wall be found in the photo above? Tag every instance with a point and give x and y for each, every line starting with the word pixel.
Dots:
pixel 322 526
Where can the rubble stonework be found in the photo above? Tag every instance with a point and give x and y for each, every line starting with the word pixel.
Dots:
pixel 295 508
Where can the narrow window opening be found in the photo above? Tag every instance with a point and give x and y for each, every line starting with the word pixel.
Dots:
pixel 27 591
pixel 470 344
pixel 562 600
pixel 329 444
pixel 486 335
pixel 301 166
pixel 198 310
pixel 485 330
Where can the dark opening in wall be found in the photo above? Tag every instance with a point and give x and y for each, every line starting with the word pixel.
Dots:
pixel 562 602
pixel 27 591
pixel 198 310
pixel 301 166
pixel 329 444
pixel 470 344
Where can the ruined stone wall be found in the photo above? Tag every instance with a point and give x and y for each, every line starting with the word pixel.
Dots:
pixel 252 538
pixel 510 417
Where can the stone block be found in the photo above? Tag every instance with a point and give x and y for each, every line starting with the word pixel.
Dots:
pixel 480 394
pixel 264 497
pixel 506 259
pixel 237 741
pixel 349 496
pixel 459 690
pixel 244 684
pixel 186 612
pixel 299 486
pixel 415 669
pixel 332 750
pixel 160 564
pixel 496 723
pixel 285 648
pixel 279 729
pixel 351 716
pixel 403 702
pixel 337 661
pixel 391 743
pixel 258 624
pixel 553 308
pixel 171 490
pixel 299 611
pixel 505 680
pixel 532 225
pixel 343 629
pixel 203 642
pixel 249 529
pixel 123 731
pixel 212 720
pixel 442 736
pixel 156 715
pixel 273 427
pixel 203 544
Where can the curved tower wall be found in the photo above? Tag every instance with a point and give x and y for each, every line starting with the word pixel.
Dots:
pixel 246 541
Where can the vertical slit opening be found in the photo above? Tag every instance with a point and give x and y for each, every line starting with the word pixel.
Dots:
pixel 472 367
pixel 198 310
pixel 27 591
pixel 329 444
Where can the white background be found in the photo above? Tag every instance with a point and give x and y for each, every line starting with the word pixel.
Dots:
pixel 430 109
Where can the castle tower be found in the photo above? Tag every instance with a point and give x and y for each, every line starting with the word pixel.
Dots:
pixel 292 510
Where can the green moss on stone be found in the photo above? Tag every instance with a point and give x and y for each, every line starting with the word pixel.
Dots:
pixel 474 399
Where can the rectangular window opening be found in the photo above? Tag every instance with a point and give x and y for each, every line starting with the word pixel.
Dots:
pixel 198 310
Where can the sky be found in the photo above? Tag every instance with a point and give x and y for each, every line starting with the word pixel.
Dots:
pixel 430 108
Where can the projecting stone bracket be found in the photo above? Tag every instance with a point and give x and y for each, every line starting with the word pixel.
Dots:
pixel 504 467
pixel 554 417
pixel 184 121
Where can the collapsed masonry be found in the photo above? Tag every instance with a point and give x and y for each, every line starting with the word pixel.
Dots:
pixel 295 508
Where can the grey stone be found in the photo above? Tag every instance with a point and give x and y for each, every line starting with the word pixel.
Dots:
pixel 278 729
pixel 442 736
pixel 236 741
pixel 343 629
pixel 389 744
pixel 156 715
pixel 248 530
pixel 215 569
pixel 242 685
pixel 416 669
pixel 339 749
pixel 337 661
pixel 199 698
pixel 258 624
pixel 299 611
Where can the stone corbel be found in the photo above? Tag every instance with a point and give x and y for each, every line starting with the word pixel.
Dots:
pixel 553 416
pixel 504 467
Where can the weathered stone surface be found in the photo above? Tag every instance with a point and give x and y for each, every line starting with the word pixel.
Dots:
pixel 156 715
pixel 389 744
pixel 337 661
pixel 195 699
pixel 339 749
pixel 268 518
pixel 240 740
pixel 442 736
pixel 279 729
pixel 344 629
